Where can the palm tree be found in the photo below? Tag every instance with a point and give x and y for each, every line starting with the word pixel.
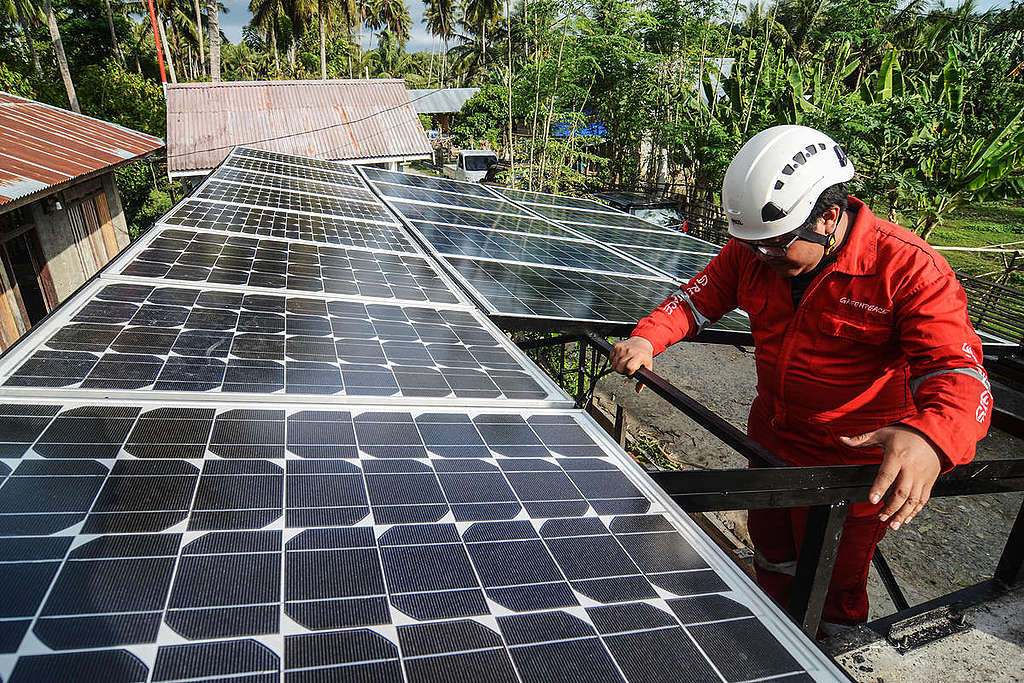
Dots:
pixel 265 15
pixel 214 20
pixel 481 14
pixel 439 17
pixel 390 60
pixel 62 59
pixel 24 20
pixel 199 36
pixel 388 15
pixel 113 34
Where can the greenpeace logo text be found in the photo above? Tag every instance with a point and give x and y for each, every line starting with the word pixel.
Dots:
pixel 870 308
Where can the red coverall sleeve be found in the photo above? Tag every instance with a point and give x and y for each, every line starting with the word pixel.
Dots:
pixel 949 385
pixel 703 300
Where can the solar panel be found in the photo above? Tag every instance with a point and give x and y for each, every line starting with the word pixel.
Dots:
pixel 143 338
pixel 252 195
pixel 463 201
pixel 234 542
pixel 222 259
pixel 242 479
pixel 288 170
pixel 477 219
pixel 530 292
pixel 675 254
pixel 628 237
pixel 206 215
pixel 569 215
pixel 682 264
pixel 528 197
pixel 530 249
pixel 269 180
pixel 430 182
pixel 305 162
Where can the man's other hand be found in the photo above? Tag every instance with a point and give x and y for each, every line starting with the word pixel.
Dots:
pixel 910 465
pixel 629 355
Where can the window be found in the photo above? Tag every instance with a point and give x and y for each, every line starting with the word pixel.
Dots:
pixel 93 232
pixel 479 163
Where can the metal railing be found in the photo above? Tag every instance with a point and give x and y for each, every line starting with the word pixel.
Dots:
pixel 578 361
pixel 994 308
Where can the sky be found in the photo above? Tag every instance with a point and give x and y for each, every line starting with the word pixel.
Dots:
pixel 238 16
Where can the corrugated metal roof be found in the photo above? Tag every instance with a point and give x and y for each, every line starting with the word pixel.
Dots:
pixel 42 147
pixel 341 119
pixel 443 101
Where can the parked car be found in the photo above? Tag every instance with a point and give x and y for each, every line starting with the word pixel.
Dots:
pixel 471 165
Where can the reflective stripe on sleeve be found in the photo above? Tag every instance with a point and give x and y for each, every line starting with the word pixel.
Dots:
pixel 701 321
pixel 976 373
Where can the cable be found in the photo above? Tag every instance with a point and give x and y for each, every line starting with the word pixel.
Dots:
pixel 306 132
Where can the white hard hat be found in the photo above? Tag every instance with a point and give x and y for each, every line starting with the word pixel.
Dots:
pixel 775 179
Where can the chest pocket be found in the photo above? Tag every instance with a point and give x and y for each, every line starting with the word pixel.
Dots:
pixel 752 296
pixel 862 331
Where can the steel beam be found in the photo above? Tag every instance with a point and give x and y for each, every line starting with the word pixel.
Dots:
pixel 814 568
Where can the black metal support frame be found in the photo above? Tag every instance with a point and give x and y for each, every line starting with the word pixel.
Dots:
pixel 771 483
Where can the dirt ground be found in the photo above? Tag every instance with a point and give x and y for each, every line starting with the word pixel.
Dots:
pixel 952 543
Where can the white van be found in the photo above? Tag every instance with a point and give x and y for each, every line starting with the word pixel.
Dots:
pixel 471 165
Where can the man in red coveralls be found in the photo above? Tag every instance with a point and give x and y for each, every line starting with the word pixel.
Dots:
pixel 863 348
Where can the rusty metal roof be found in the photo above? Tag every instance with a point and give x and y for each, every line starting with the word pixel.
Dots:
pixel 44 147
pixel 337 120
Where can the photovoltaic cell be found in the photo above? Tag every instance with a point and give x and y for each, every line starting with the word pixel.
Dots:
pixel 218 259
pixel 239 543
pixel 205 215
pixel 134 337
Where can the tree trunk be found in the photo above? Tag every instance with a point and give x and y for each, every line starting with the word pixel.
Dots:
pixel 167 48
pixel 62 59
pixel 928 226
pixel 199 35
pixel 25 29
pixel 430 68
pixel 214 19
pixel 113 34
pixel 323 47
pixel 291 55
pixel 277 57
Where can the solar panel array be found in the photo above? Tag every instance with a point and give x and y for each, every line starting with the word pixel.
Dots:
pixel 284 458
pixel 535 255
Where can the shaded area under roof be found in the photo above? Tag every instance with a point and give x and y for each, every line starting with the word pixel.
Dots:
pixel 338 119
pixel 44 147
pixel 440 100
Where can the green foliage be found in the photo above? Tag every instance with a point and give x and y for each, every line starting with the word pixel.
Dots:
pixel 15 83
pixel 107 92
pixel 141 201
pixel 483 119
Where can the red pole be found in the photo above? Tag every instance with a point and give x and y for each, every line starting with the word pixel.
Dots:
pixel 156 41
